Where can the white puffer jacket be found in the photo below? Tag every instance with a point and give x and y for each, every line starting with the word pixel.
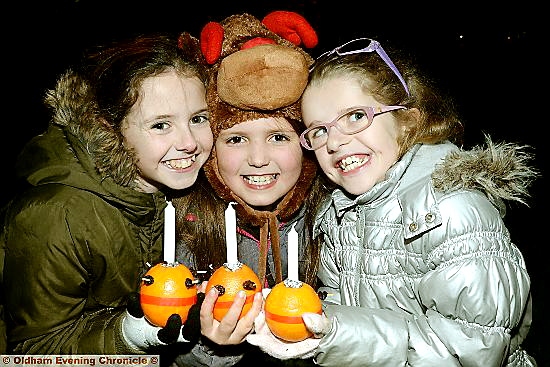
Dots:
pixel 421 271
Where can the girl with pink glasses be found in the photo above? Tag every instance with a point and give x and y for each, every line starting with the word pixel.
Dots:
pixel 417 264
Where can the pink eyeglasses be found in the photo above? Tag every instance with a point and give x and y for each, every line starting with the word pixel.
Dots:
pixel 361 45
pixel 353 120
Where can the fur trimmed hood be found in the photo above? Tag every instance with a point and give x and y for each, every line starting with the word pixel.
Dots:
pixel 74 107
pixel 501 170
pixel 78 151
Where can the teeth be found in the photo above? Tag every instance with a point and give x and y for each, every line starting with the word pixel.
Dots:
pixel 260 180
pixel 180 163
pixel 349 163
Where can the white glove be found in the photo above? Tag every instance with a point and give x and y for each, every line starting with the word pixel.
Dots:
pixel 319 325
pixel 275 347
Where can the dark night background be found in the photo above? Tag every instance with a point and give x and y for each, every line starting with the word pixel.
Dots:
pixel 490 58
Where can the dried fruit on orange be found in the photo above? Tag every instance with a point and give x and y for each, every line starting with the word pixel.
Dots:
pixel 229 279
pixel 167 289
pixel 284 307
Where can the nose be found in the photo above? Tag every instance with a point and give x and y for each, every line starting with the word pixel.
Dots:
pixel 185 141
pixel 258 155
pixel 335 139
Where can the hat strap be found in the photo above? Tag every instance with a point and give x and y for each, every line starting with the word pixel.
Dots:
pixel 269 235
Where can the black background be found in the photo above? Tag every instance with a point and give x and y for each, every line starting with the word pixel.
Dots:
pixel 490 57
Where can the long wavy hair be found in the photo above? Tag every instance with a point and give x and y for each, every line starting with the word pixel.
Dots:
pixel 106 84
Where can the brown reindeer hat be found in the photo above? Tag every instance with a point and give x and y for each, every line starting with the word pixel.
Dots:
pixel 259 70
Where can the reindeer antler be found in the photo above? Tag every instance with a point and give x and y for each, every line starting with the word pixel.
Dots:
pixel 287 24
pixel 211 41
pixel 292 27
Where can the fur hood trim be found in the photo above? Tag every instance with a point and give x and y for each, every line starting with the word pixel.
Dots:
pixel 74 106
pixel 501 170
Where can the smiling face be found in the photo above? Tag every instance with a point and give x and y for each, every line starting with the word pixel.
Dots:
pixel 354 162
pixel 169 129
pixel 260 160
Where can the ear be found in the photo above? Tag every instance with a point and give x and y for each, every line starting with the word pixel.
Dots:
pixel 409 121
pixel 412 119
pixel 413 115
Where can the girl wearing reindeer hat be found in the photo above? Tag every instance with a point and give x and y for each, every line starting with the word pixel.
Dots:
pixel 257 162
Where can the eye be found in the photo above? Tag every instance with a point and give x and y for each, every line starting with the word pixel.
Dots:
pixel 279 138
pixel 356 116
pixel 199 120
pixel 235 140
pixel 318 132
pixel 161 125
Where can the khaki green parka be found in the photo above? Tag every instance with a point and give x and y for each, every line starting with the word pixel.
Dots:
pixel 78 240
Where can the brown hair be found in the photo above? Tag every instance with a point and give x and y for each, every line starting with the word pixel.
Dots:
pixel 109 80
pixel 438 119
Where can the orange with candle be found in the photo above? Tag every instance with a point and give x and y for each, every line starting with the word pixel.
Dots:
pixel 284 307
pixel 288 300
pixel 233 276
pixel 167 289
pixel 229 279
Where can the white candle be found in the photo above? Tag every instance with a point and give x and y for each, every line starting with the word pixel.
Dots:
pixel 293 254
pixel 169 233
pixel 231 234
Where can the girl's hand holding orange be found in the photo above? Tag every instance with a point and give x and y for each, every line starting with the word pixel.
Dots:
pixel 318 325
pixel 284 307
pixel 232 329
pixel 229 280
pixel 281 349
